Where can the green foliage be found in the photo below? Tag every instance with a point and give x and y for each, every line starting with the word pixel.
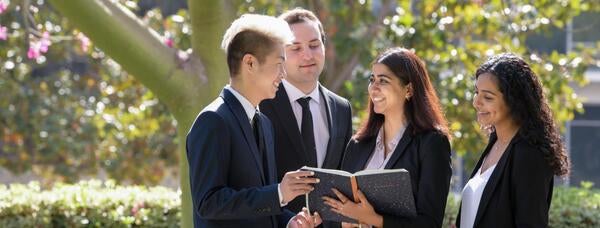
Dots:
pixel 575 207
pixel 97 204
pixel 75 112
pixel 88 204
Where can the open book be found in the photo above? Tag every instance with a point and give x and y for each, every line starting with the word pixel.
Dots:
pixel 388 190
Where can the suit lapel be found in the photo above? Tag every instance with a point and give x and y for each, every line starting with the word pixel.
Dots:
pixel 494 178
pixel 400 148
pixel 238 111
pixel 288 120
pixel 330 110
pixel 364 151
pixel 269 149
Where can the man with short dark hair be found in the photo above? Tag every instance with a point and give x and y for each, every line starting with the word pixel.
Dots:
pixel 312 124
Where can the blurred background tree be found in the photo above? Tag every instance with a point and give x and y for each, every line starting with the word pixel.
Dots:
pixel 121 101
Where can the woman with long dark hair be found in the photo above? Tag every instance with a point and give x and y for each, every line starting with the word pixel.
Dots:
pixel 405 128
pixel 511 185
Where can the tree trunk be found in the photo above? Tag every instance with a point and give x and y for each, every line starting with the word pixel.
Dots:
pixel 184 86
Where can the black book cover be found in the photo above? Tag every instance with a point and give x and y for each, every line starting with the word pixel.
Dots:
pixel 388 190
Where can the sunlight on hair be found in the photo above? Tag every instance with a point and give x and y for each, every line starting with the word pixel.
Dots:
pixel 267 25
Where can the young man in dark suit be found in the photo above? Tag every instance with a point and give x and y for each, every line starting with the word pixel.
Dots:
pixel 230 145
pixel 312 124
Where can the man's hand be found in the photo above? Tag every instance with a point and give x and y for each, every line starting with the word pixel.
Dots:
pixel 296 183
pixel 305 220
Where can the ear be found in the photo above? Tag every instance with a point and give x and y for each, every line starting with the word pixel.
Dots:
pixel 409 90
pixel 249 61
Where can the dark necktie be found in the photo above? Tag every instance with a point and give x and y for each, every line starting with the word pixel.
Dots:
pixel 256 128
pixel 307 132
pixel 258 135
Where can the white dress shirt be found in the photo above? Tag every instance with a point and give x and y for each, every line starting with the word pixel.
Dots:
pixel 471 196
pixel 378 159
pixel 250 112
pixel 319 116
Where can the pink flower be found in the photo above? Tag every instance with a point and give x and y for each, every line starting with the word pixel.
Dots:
pixel 45 42
pixel 169 42
pixel 3 33
pixel 34 51
pixel 3 6
pixel 85 42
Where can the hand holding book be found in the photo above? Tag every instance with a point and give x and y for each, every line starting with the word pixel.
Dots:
pixel 386 191
pixel 362 210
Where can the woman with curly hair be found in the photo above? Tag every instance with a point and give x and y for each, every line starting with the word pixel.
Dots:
pixel 511 185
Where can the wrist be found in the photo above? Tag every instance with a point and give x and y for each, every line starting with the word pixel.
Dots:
pixel 375 220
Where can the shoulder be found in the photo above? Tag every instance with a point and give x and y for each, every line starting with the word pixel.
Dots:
pixel 433 136
pixel 213 114
pixel 337 99
pixel 523 152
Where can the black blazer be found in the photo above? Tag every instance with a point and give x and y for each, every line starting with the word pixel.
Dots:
pixel 519 191
pixel 426 156
pixel 289 150
pixel 228 185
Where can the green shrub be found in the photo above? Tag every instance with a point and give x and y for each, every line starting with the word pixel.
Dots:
pixel 88 204
pixel 97 204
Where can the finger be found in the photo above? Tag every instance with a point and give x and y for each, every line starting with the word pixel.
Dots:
pixel 317 218
pixel 340 196
pixel 299 174
pixel 302 219
pixel 362 197
pixel 304 180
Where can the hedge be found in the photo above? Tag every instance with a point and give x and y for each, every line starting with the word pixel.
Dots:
pixel 88 204
pixel 98 204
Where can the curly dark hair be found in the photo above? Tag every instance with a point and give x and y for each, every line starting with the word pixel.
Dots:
pixel 523 94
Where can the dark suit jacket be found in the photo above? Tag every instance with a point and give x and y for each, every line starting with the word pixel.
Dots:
pixel 289 150
pixel 228 185
pixel 426 156
pixel 519 191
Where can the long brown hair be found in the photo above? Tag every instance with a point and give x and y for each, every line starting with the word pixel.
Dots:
pixel 422 110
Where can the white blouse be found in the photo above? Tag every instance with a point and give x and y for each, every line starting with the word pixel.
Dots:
pixel 378 160
pixel 471 195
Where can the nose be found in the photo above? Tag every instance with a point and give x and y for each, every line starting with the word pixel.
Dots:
pixel 476 101
pixel 307 53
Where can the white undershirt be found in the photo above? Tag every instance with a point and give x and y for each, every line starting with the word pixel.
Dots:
pixel 471 196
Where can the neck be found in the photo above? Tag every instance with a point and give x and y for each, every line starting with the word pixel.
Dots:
pixel 392 124
pixel 305 87
pixel 505 132
pixel 245 91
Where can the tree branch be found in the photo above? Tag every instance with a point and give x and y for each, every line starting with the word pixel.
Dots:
pixel 136 47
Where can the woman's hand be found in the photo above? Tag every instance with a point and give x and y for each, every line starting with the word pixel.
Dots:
pixel 361 211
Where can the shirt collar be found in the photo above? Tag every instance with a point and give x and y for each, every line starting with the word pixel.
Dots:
pixel 295 93
pixel 391 145
pixel 248 108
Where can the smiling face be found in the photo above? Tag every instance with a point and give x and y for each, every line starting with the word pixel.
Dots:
pixel 269 73
pixel 489 102
pixel 306 55
pixel 386 91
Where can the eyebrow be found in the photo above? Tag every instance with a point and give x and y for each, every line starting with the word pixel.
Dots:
pixel 382 75
pixel 488 91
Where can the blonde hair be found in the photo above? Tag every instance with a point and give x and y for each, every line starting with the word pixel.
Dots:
pixel 254 34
